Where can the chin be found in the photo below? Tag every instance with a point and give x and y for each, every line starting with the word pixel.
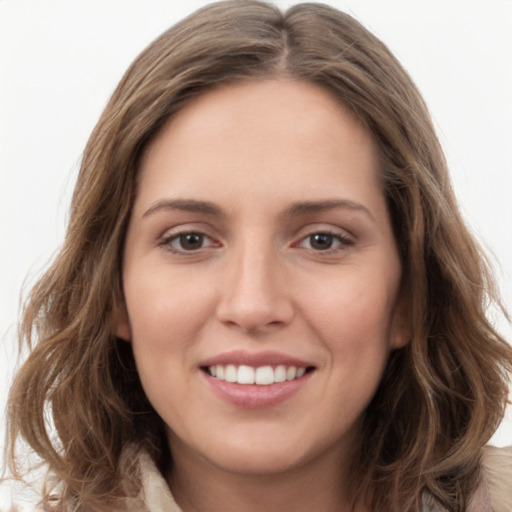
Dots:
pixel 258 461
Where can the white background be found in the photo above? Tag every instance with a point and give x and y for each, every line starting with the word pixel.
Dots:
pixel 61 59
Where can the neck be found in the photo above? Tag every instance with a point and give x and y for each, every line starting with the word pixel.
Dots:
pixel 319 485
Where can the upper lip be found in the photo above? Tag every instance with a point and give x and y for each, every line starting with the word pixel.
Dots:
pixel 256 359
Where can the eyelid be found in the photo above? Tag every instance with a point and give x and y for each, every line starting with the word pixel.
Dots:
pixel 345 238
pixel 170 235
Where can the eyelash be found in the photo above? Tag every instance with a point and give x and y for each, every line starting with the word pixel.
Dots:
pixel 343 241
pixel 168 241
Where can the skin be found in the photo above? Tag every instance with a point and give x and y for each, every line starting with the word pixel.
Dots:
pixel 258 281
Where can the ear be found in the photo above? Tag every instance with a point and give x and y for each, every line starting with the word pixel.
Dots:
pixel 401 325
pixel 121 323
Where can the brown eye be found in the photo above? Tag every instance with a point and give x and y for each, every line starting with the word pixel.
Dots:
pixel 324 241
pixel 189 241
pixel 321 241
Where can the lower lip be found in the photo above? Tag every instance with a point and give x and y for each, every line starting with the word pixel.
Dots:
pixel 251 396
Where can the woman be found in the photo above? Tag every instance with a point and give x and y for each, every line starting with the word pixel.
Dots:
pixel 267 298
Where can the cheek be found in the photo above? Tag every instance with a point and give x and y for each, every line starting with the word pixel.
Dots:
pixel 166 314
pixel 165 317
pixel 162 304
pixel 355 315
pixel 354 324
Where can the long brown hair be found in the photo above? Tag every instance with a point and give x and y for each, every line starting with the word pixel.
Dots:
pixel 442 395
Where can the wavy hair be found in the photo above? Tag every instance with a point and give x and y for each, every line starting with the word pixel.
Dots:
pixel 77 399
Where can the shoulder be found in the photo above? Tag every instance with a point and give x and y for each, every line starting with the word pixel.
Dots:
pixel 497 464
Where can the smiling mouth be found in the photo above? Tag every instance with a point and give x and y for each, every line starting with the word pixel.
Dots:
pixel 261 375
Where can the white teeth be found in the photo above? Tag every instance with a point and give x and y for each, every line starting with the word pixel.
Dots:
pixel 280 373
pixel 231 373
pixel 245 375
pixel 262 375
pixel 291 373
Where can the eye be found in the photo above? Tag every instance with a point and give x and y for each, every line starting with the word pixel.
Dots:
pixel 324 241
pixel 187 242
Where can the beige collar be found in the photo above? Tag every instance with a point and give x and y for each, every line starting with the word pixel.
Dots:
pixel 156 494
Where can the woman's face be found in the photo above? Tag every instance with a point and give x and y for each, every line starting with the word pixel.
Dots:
pixel 261 278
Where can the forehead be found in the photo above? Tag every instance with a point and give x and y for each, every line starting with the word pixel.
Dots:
pixel 261 134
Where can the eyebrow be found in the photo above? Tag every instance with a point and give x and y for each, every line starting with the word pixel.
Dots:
pixel 305 207
pixel 187 205
pixel 299 208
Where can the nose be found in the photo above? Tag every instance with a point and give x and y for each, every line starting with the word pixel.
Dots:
pixel 254 294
